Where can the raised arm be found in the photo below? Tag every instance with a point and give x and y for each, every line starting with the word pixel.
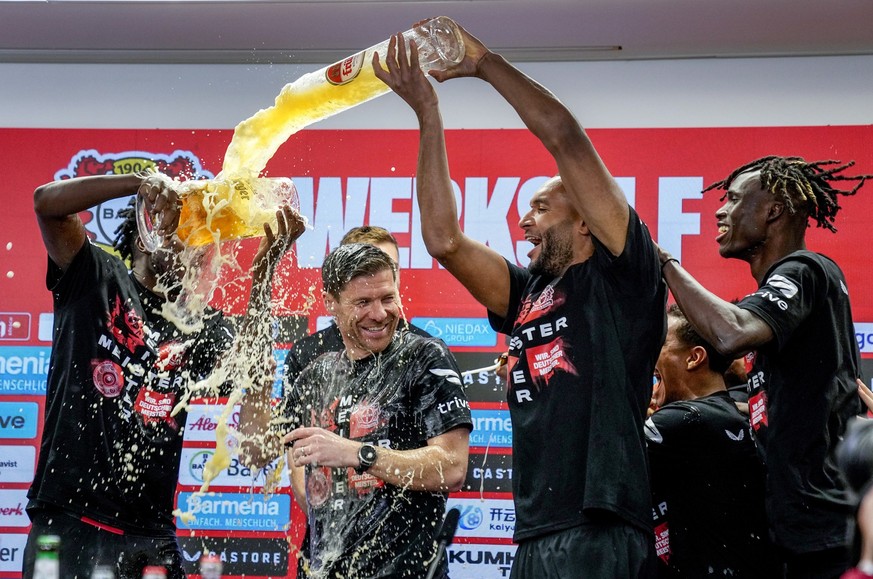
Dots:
pixel 479 268
pixel 57 206
pixel 593 191
pixel 731 330
pixel 253 347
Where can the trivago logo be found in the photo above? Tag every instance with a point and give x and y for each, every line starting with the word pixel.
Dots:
pixel 194 461
pixel 105 216
pixel 491 428
pixel 236 511
pixel 18 419
pixel 480 561
pixel 17 463
pixel 23 369
pixel 487 518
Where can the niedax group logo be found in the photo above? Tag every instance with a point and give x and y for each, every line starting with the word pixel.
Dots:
pixel 105 217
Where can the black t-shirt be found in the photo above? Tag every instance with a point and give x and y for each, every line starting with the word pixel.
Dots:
pixel 110 449
pixel 802 393
pixel 361 526
pixel 582 352
pixel 708 491
pixel 307 349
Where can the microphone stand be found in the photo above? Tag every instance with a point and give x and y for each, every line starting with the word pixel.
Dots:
pixel 444 539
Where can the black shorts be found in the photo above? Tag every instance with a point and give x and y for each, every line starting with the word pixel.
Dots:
pixel 84 545
pixel 607 548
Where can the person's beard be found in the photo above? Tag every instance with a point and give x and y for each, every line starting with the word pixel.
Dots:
pixel 556 251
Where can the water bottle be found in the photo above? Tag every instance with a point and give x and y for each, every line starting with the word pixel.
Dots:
pixel 47 564
pixel 326 92
pixel 103 572
pixel 154 572
pixel 210 566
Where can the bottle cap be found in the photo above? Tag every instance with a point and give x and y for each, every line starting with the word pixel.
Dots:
pixel 48 542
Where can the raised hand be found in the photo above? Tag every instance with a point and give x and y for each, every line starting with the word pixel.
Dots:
pixel 289 226
pixel 159 192
pixel 404 75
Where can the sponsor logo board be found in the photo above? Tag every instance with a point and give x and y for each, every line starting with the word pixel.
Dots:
pixel 18 419
pixel 471 561
pixel 491 428
pixel 14 326
pixel 23 370
pixel 239 557
pixel 459 331
pixel 17 463
pixel 12 504
pixel 484 518
pixel 489 473
pixel 194 460
pixel 235 511
pixel 12 552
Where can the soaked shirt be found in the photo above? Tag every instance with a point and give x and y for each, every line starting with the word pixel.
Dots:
pixel 802 392
pixel 361 526
pixel 110 449
pixel 581 356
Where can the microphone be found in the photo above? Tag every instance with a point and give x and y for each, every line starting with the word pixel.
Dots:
pixel 444 538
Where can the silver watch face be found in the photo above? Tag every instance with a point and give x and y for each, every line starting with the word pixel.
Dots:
pixel 367 455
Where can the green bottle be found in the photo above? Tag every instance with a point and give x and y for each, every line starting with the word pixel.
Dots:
pixel 47 565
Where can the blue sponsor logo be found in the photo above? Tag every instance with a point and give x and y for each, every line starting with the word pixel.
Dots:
pixel 474 332
pixel 23 369
pixel 471 517
pixel 864 336
pixel 491 428
pixel 235 511
pixel 18 419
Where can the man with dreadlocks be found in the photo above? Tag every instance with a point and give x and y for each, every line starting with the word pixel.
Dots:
pixel 109 455
pixel 799 324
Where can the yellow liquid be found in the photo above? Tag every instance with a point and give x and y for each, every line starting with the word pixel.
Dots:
pixel 308 99
pixel 222 209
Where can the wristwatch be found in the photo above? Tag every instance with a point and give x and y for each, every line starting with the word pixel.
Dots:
pixel 366 457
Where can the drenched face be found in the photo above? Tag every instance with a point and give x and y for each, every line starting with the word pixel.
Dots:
pixel 550 226
pixel 672 365
pixel 367 312
pixel 166 260
pixel 742 220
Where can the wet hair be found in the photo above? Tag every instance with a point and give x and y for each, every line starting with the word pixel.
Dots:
pixel 126 232
pixel 689 336
pixel 347 262
pixel 372 234
pixel 801 186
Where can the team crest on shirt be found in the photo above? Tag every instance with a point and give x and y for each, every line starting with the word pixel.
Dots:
pixel 108 377
pixel 364 419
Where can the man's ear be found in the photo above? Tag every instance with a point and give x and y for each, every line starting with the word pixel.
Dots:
pixel 329 302
pixel 697 357
pixel 775 211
